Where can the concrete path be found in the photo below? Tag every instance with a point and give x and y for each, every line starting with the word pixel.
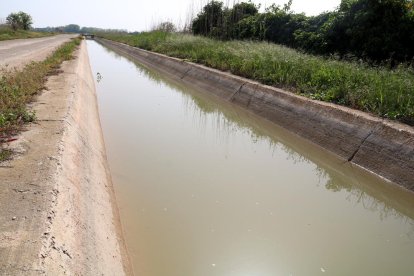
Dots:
pixel 19 52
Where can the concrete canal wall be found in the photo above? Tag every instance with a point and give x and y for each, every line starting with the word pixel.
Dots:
pixel 380 146
pixel 85 215
pixel 59 213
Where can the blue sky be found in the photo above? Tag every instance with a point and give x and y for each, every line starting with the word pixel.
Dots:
pixel 134 15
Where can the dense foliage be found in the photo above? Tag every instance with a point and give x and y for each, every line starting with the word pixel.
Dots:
pixel 376 30
pixel 20 20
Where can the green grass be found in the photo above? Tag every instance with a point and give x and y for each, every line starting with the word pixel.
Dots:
pixel 377 90
pixel 7 33
pixel 17 88
pixel 5 155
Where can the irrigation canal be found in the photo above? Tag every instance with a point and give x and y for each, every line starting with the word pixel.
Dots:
pixel 206 188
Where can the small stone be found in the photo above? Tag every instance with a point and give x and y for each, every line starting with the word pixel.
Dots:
pixel 14 218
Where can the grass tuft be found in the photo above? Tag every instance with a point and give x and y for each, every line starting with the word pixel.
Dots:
pixel 5 155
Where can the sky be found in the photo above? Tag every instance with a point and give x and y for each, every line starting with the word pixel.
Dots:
pixel 132 15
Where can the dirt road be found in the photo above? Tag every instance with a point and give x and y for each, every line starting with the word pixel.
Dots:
pixel 18 52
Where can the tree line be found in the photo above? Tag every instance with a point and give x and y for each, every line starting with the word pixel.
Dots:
pixel 74 28
pixel 23 21
pixel 374 30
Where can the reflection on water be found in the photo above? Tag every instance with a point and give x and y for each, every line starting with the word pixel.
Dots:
pixel 206 188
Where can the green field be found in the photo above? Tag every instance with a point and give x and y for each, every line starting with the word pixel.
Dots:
pixel 384 92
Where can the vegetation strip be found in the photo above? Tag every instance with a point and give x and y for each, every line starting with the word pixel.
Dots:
pixel 17 88
pixel 7 33
pixel 18 26
pixel 381 91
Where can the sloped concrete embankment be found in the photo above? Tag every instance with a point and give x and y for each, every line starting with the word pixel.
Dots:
pixel 85 216
pixel 380 146
pixel 59 215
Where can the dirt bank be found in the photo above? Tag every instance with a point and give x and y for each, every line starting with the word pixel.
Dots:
pixel 58 212
pixel 380 146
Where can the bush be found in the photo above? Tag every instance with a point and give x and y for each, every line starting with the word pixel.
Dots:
pixel 20 20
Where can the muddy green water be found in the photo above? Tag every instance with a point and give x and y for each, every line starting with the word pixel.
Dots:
pixel 206 188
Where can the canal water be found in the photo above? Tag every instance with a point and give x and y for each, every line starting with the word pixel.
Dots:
pixel 206 188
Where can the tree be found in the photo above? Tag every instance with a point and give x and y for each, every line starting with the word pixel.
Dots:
pixel 166 26
pixel 20 20
pixel 26 20
pixel 373 29
pixel 71 28
pixel 13 20
pixel 252 27
pixel 210 20
pixel 236 14
pixel 312 36
pixel 242 10
pixel 281 24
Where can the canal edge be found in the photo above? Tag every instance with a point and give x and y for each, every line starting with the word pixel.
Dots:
pixel 379 146
pixel 84 231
